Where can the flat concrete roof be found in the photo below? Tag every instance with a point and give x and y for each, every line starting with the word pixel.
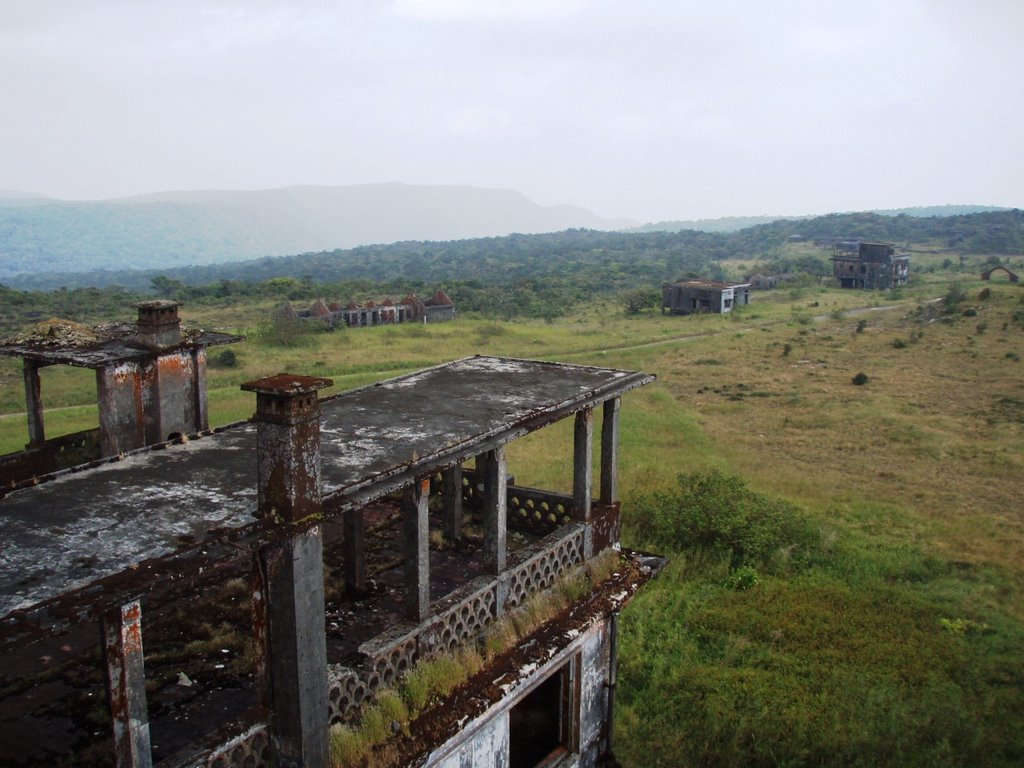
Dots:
pixel 81 526
pixel 100 346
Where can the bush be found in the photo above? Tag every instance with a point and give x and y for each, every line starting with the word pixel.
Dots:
pixel 225 359
pixel 899 343
pixel 717 512
pixel 954 297
pixel 861 325
pixel 860 379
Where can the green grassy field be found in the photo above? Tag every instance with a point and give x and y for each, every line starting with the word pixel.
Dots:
pixel 890 631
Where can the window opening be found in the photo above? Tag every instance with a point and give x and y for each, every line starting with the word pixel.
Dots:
pixel 543 725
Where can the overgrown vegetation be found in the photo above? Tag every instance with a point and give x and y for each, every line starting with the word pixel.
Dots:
pixel 392 709
pixel 769 631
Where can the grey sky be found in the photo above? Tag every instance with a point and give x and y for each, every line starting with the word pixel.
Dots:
pixel 651 109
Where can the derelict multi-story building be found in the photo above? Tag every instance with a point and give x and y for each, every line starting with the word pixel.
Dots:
pixel 256 584
pixel 868 265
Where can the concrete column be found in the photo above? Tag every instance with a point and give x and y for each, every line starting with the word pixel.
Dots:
pixel 451 499
pixel 354 550
pixel 119 393
pixel 582 475
pixel 202 414
pixel 288 439
pixel 289 612
pixel 126 685
pixel 158 325
pixel 417 550
pixel 610 450
pixel 495 479
pixel 34 404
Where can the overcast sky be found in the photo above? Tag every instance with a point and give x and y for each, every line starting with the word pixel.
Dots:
pixel 648 109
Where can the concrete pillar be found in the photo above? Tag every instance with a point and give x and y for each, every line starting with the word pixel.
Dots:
pixel 417 550
pixel 200 409
pixel 121 629
pixel 290 610
pixel 119 394
pixel 451 500
pixel 610 450
pixel 158 325
pixel 495 479
pixel 34 404
pixel 288 438
pixel 582 475
pixel 354 550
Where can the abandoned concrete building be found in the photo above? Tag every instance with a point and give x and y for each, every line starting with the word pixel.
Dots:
pixel 857 264
pixel 257 583
pixel 150 387
pixel 438 308
pixel 686 297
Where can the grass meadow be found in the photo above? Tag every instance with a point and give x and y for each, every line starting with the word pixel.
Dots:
pixel 879 619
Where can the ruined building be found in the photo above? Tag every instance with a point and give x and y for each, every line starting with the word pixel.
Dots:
pixel 150 387
pixel 686 297
pixel 868 265
pixel 438 308
pixel 256 584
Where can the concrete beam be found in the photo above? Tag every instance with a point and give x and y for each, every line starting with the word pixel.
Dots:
pixel 417 550
pixel 451 500
pixel 610 450
pixel 495 510
pixel 34 404
pixel 126 684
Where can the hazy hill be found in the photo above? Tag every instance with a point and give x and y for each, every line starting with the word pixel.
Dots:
pixel 176 229
pixel 599 260
pixel 736 223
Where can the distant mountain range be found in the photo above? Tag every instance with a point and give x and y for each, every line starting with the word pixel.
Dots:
pixel 736 223
pixel 176 229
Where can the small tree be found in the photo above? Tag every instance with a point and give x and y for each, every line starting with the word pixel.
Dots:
pixel 638 300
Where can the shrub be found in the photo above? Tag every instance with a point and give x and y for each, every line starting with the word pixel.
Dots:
pixel 860 379
pixel 718 512
pixel 743 578
pixel 954 296
pixel 899 343
pixel 861 325
pixel 225 359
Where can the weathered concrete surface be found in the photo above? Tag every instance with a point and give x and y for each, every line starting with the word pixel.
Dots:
pixel 461 732
pixel 79 527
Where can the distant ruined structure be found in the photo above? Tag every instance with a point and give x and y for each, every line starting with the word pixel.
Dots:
pixel 437 309
pixel 1013 277
pixel 857 264
pixel 686 297
pixel 222 601
pixel 150 386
